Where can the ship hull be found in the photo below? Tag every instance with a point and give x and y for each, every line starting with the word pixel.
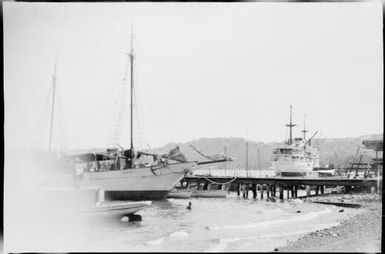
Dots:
pixel 137 183
pixel 135 195
pixel 289 167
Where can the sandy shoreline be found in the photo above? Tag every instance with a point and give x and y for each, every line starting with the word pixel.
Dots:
pixel 360 233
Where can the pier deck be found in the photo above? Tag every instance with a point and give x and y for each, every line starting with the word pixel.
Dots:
pixel 328 181
pixel 275 186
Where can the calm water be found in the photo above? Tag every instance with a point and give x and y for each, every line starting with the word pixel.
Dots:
pixel 230 224
pixel 227 224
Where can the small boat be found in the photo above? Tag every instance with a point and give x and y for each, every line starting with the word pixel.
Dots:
pixel 83 201
pixel 180 193
pixel 104 209
pixel 120 208
pixel 211 191
pixel 209 194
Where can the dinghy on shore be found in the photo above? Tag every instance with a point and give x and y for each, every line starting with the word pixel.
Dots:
pixel 180 193
pixel 117 207
pixel 209 194
pixel 81 202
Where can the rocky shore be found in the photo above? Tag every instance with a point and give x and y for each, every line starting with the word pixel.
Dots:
pixel 361 233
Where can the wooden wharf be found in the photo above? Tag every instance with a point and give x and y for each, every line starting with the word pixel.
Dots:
pixel 273 187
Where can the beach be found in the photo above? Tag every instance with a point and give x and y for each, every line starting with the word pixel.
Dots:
pixel 360 233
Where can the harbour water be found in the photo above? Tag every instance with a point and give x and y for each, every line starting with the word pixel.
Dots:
pixel 212 225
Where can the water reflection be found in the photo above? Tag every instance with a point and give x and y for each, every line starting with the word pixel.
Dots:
pixel 163 204
pixel 167 209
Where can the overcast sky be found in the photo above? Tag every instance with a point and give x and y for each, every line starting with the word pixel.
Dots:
pixel 201 70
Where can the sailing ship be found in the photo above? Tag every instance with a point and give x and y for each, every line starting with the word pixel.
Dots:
pixel 123 175
pixel 297 158
pixel 55 193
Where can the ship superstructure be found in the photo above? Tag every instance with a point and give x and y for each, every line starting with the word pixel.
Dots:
pixel 297 157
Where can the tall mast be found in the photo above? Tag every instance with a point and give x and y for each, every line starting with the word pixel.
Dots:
pixel 290 125
pixel 247 158
pixel 54 77
pixel 226 160
pixel 304 129
pixel 259 163
pixel 131 54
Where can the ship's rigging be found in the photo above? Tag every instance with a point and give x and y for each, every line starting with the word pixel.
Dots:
pixel 51 119
pixel 135 124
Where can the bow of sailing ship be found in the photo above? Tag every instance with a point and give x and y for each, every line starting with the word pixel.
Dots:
pixel 125 177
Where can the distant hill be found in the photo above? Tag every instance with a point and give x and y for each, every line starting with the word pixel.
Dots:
pixel 336 151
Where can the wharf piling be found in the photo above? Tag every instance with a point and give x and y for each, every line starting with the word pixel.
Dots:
pixel 254 188
pixel 292 191
pixel 288 192
pixel 308 190
pixel 280 192
pixel 246 195
pixel 373 189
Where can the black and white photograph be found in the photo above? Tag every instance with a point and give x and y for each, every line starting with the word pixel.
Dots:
pixel 193 126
